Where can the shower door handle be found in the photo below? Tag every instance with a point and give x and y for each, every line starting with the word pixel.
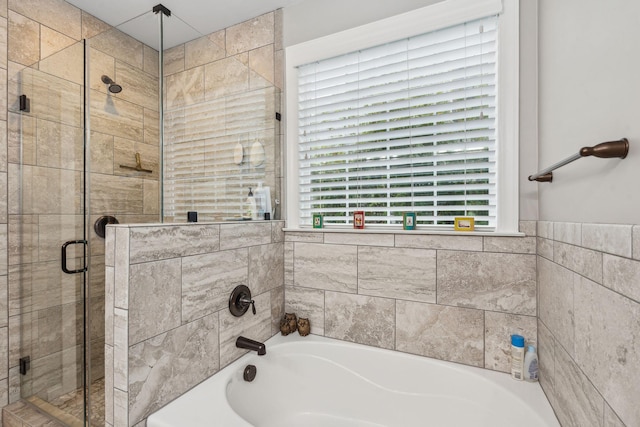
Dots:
pixel 64 256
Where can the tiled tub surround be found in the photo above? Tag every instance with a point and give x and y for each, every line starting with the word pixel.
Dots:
pixel 589 322
pixel 168 322
pixel 451 297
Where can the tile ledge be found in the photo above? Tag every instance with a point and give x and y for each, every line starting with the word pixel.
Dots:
pixel 190 224
pixel 395 231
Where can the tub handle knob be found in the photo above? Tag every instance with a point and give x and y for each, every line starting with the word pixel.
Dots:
pixel 240 300
pixel 247 301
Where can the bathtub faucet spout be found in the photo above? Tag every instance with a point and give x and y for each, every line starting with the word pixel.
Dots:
pixel 252 345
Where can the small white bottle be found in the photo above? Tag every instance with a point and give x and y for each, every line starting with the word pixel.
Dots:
pixel 517 357
pixel 249 209
pixel 531 364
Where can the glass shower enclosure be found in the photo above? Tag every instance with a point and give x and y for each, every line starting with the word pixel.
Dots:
pixel 85 152
pixel 49 224
pixel 86 142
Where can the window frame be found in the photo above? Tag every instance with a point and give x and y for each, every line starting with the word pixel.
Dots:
pixel 420 21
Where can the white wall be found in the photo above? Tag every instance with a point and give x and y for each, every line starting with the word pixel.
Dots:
pixel 587 86
pixel 589 93
pixel 528 107
pixel 311 19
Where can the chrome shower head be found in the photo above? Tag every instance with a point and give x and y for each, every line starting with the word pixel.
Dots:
pixel 113 86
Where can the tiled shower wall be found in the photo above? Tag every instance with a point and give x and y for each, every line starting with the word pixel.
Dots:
pixel 589 322
pixel 4 319
pixel 222 93
pixel 41 300
pixel 451 297
pixel 168 321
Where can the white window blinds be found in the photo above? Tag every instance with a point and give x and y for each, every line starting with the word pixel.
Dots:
pixel 408 126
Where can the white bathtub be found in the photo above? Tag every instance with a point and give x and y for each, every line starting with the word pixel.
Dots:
pixel 315 381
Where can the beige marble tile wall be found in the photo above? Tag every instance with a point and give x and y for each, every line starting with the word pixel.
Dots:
pixel 4 318
pixel 450 297
pixel 589 322
pixel 45 35
pixel 168 322
pixel 222 91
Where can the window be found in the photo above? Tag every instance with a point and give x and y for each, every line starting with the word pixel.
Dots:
pixel 407 125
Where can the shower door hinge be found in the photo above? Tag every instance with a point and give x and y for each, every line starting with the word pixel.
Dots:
pixel 278 116
pixel 25 364
pixel 160 8
pixel 25 103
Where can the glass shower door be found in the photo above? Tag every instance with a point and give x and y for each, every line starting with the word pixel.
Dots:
pixel 47 260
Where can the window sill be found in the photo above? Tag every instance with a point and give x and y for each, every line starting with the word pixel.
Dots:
pixel 420 231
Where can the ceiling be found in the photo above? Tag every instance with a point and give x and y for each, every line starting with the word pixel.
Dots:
pixel 189 19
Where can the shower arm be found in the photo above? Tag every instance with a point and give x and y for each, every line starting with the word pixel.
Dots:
pixel 604 150
pixel 138 166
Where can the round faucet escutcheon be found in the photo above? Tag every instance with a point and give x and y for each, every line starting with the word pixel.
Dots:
pixel 240 301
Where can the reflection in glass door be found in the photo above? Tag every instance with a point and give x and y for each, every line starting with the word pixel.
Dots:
pixel 47 266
